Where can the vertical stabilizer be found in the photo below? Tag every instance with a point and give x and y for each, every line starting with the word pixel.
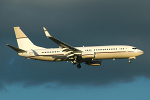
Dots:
pixel 23 41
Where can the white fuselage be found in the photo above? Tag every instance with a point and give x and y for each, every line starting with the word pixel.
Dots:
pixel 100 52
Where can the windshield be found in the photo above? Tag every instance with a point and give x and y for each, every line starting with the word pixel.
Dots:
pixel 133 48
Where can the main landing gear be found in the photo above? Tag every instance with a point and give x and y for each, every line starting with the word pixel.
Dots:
pixel 78 66
pixel 77 61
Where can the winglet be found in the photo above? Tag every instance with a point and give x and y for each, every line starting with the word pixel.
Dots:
pixel 46 32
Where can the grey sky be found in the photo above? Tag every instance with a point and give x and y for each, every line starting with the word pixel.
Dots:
pixel 78 23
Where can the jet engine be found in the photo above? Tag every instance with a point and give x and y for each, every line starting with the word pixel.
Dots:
pixel 93 63
pixel 88 55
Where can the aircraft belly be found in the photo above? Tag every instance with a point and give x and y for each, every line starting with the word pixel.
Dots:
pixel 50 58
pixel 114 55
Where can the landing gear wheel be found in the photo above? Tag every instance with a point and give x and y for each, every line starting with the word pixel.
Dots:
pixel 78 66
pixel 129 61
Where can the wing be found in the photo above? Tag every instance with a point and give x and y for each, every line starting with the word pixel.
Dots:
pixel 63 45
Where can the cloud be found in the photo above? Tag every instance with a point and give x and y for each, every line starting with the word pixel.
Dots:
pixel 80 22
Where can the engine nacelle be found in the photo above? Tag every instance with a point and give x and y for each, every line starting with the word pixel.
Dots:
pixel 88 55
pixel 93 63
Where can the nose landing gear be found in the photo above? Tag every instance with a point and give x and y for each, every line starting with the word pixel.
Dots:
pixel 129 61
pixel 131 58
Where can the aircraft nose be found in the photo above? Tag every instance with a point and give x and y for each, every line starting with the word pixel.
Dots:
pixel 141 52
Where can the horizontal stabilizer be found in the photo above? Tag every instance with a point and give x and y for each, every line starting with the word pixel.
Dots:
pixel 16 49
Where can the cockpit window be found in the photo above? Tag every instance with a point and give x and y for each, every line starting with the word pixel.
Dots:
pixel 133 48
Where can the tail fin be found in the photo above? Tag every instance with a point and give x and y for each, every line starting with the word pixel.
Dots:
pixel 23 41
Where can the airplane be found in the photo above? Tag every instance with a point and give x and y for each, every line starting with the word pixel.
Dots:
pixel 90 55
